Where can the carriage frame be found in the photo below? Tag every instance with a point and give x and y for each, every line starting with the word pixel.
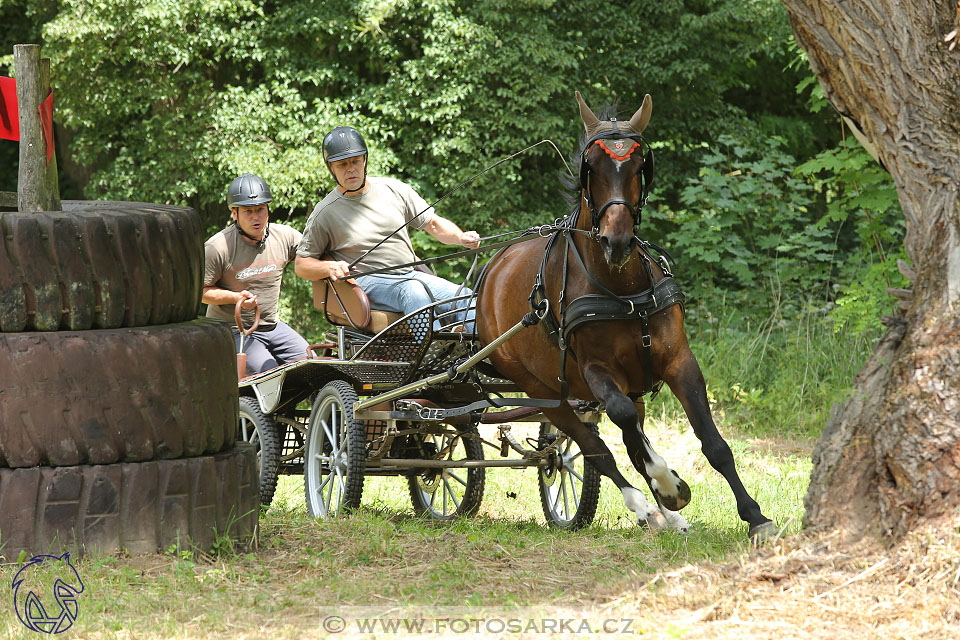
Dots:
pixel 408 401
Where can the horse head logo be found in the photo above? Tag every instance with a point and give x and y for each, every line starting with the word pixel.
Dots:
pixel 37 577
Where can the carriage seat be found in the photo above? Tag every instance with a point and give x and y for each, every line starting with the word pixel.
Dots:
pixel 346 304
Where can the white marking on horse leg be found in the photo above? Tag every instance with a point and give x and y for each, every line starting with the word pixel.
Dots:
pixel 675 520
pixel 662 480
pixel 637 503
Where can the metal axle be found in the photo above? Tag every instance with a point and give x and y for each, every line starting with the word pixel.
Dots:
pixel 454 464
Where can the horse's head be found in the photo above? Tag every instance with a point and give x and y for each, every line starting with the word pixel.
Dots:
pixel 615 173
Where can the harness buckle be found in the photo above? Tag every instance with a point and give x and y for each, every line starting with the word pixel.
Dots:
pixel 646 341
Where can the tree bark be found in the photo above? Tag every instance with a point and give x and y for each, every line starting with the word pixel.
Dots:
pixel 37 180
pixel 889 457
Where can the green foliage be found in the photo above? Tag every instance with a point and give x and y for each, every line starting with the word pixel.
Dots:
pixel 861 304
pixel 860 196
pixel 747 225
pixel 160 109
pixel 165 111
pixel 779 374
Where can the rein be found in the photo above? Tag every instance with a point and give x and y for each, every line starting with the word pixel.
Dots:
pixel 530 233
pixel 449 193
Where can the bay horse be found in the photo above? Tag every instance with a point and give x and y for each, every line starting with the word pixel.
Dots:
pixel 612 327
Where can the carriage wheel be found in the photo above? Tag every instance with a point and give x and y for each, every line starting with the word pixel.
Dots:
pixel 445 494
pixel 336 453
pixel 262 432
pixel 569 485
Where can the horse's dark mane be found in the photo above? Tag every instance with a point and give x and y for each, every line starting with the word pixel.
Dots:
pixel 571 184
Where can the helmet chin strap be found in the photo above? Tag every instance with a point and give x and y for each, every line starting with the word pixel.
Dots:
pixel 261 242
pixel 360 188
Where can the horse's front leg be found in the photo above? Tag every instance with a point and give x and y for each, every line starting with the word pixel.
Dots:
pixel 595 450
pixel 685 379
pixel 669 489
pixel 633 440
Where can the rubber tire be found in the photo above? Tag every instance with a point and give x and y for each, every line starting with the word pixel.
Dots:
pixel 117 395
pixel 589 491
pixel 265 437
pixel 341 394
pixel 138 508
pixel 473 492
pixel 119 264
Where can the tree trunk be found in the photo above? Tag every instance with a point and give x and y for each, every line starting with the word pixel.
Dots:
pixel 889 458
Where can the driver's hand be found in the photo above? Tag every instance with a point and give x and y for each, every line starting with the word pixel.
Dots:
pixel 339 270
pixel 470 239
pixel 249 300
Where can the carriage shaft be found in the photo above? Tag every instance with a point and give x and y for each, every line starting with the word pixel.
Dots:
pixel 413 387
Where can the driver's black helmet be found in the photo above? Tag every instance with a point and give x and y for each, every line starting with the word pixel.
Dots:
pixel 248 191
pixel 343 143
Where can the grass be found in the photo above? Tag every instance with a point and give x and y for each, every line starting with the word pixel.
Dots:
pixel 770 385
pixel 384 558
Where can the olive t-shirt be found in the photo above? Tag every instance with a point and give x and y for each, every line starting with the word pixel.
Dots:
pixel 347 226
pixel 232 263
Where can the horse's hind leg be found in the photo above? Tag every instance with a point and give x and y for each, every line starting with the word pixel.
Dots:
pixel 667 486
pixel 685 379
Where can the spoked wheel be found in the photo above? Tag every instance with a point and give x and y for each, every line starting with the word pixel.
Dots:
pixel 569 485
pixel 335 453
pixel 261 431
pixel 445 494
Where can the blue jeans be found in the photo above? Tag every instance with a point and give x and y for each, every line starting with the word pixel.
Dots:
pixel 407 292
pixel 268 349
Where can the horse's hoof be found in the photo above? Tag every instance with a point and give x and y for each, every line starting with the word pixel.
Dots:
pixel 655 521
pixel 679 501
pixel 763 533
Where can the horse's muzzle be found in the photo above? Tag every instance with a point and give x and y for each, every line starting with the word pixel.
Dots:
pixel 618 249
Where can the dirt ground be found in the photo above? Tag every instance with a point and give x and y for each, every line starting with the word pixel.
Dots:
pixel 810 587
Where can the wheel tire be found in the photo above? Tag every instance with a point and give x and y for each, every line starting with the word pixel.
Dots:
pixel 559 485
pixel 117 395
pixel 120 264
pixel 461 490
pixel 334 435
pixel 262 432
pixel 143 507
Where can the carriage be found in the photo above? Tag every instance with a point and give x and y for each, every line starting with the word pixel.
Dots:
pixel 405 396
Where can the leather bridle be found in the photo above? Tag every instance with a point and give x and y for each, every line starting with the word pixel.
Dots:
pixel 617 136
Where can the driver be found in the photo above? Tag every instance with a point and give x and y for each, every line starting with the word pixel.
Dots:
pixel 245 262
pixel 360 213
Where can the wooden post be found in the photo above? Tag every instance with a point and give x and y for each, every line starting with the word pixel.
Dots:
pixel 37 181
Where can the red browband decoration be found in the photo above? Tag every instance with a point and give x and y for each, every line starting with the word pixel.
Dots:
pixel 618 153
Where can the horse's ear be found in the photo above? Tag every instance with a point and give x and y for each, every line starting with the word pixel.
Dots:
pixel 640 119
pixel 590 120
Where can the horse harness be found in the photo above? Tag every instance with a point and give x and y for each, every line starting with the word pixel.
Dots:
pixel 606 305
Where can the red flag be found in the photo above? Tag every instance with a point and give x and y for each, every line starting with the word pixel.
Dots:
pixel 46 122
pixel 9 116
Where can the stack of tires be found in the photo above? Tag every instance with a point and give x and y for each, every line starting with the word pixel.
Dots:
pixel 118 407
